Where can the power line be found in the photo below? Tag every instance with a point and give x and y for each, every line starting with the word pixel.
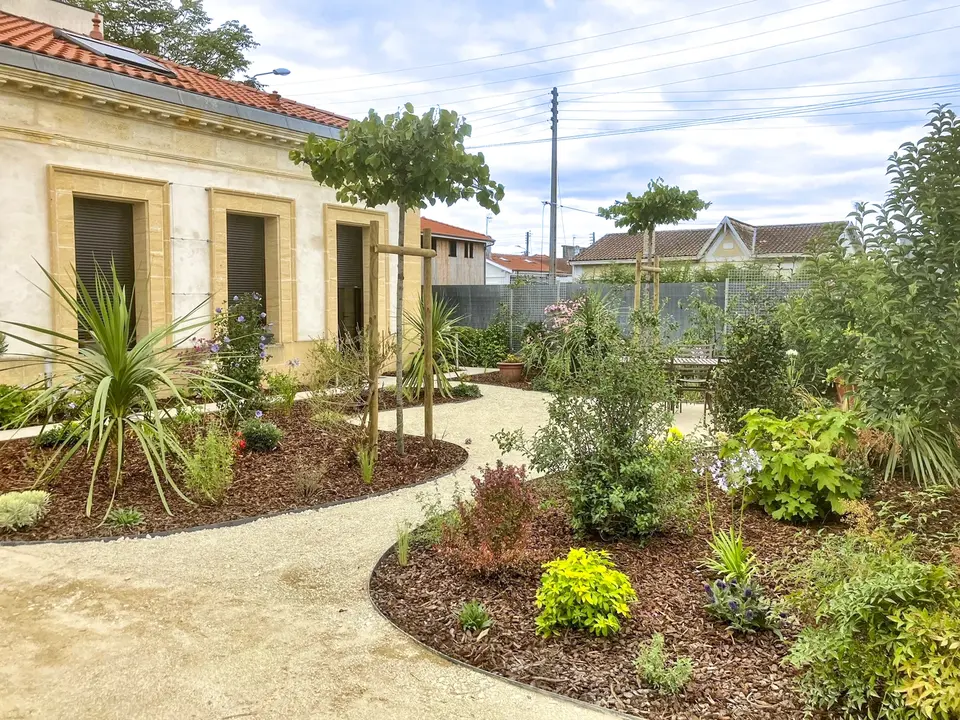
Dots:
pixel 529 49
pixel 680 65
pixel 775 113
pixel 685 33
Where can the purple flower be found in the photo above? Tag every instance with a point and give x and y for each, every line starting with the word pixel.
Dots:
pixel 734 605
pixel 262 346
pixel 258 414
pixel 72 406
pixel 263 315
pixel 721 585
pixel 256 296
pixel 236 297
pixel 215 348
pixel 241 319
pixel 219 310
pixel 263 353
pixel 226 340
pixel 748 593
pixel 709 590
pixel 749 615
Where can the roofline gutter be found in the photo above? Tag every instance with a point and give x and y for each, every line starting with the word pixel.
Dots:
pixel 27 60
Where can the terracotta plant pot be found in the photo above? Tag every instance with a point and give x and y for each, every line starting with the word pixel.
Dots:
pixel 511 371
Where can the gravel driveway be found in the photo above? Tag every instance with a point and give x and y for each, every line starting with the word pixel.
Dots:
pixel 264 620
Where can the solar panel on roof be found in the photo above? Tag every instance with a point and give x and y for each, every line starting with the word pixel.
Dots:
pixel 115 52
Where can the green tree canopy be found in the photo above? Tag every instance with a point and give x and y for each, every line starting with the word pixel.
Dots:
pixel 661 204
pixel 178 31
pixel 404 158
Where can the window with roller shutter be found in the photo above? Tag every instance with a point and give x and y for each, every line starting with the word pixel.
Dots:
pixel 103 233
pixel 246 256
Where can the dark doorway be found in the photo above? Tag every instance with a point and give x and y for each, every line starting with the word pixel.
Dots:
pixel 349 282
pixel 103 236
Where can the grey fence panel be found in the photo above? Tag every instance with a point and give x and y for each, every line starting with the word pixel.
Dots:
pixel 478 305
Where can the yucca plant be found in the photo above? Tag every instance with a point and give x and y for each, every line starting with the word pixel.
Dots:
pixel 446 344
pixel 122 380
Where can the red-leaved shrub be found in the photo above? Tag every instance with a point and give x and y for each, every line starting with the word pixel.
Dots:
pixel 493 530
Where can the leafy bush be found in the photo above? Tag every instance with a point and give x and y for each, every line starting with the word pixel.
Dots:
pixel 465 390
pixel 260 436
pixel 651 665
pixel 474 616
pixel 802 477
pixel 125 380
pixel 121 518
pixel 208 469
pixel 576 332
pixel 446 349
pixel 885 641
pixel 19 510
pixel 492 532
pixel 13 401
pixel 59 435
pixel 487 347
pixel 284 386
pixel 241 335
pixel 742 605
pixel 754 375
pixel 585 591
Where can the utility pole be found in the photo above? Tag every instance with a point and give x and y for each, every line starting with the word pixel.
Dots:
pixel 593 238
pixel 527 251
pixel 489 218
pixel 553 190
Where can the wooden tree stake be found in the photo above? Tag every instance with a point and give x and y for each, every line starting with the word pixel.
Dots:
pixel 427 244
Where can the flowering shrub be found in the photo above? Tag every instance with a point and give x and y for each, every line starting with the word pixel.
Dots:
pixel 583 590
pixel 802 477
pixel 493 530
pixel 260 436
pixel 741 605
pixel 239 348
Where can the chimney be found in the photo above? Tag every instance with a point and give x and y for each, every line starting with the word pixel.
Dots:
pixel 96 33
pixel 568 251
pixel 275 98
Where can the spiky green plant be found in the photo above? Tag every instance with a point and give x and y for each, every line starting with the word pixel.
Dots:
pixel 367 459
pixel 122 380
pixel 474 616
pixel 404 534
pixel 121 518
pixel 446 344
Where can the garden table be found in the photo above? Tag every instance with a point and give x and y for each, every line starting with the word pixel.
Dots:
pixel 694 373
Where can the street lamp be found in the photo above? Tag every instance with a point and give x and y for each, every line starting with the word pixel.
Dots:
pixel 275 71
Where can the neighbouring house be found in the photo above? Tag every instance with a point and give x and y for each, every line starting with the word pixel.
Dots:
pixel 504 269
pixel 732 241
pixel 460 253
pixel 182 178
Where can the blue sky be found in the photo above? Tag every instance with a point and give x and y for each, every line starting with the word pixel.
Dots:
pixel 775 110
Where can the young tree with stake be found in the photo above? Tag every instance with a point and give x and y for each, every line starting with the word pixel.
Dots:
pixel 408 159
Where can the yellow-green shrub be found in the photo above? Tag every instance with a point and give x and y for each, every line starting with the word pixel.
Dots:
pixel 583 590
pixel 20 510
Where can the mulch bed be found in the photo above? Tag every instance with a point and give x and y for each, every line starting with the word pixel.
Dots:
pixel 263 483
pixel 494 378
pixel 388 400
pixel 735 675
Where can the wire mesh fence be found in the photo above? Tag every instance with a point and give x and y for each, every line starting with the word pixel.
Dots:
pixel 478 305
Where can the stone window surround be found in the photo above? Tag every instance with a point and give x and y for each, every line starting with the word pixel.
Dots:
pixel 279 214
pixel 151 236
pixel 334 215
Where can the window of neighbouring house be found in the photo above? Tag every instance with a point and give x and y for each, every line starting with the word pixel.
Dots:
pixel 453 247
pixel 469 250
pixel 246 256
pixel 103 235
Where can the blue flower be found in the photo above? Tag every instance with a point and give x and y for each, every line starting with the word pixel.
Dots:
pixel 709 590
pixel 748 593
pixel 263 338
pixel 258 414
pixel 749 615
pixel 236 297
pixel 262 346
pixel 256 296
pixel 215 348
pixel 226 340
pixel 72 406
pixel 263 315
pixel 219 310
pixel 734 605
pixel 263 353
pixel 721 585
pixel 241 319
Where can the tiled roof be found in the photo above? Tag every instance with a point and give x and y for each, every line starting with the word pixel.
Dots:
pixel 441 228
pixel 771 240
pixel 790 239
pixel 685 243
pixel 531 263
pixel 32 36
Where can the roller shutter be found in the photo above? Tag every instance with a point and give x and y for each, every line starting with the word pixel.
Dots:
pixel 246 255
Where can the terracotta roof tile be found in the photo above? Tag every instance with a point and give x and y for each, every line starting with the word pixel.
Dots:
pixel 530 263
pixel 32 36
pixel 790 239
pixel 441 228
pixel 685 243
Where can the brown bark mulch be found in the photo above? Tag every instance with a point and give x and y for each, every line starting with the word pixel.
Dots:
pixel 734 676
pixel 494 378
pixel 388 400
pixel 311 466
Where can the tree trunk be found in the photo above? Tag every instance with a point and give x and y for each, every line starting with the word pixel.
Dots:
pixel 399 387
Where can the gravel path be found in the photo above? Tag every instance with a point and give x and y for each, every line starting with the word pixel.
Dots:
pixel 265 620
